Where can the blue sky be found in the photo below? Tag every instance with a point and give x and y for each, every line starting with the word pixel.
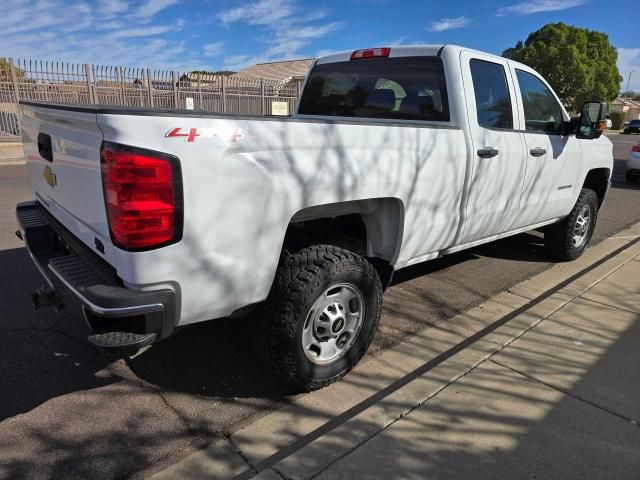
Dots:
pixel 232 34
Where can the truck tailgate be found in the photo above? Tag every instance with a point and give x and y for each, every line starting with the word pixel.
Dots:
pixel 62 150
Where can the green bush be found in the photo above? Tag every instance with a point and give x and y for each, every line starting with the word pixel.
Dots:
pixel 617 120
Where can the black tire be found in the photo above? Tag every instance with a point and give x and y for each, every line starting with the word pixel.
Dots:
pixel 559 238
pixel 302 277
pixel 630 178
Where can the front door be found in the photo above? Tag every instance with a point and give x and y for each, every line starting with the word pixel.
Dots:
pixel 552 159
pixel 498 166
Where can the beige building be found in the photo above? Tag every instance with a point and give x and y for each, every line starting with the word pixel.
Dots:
pixel 631 108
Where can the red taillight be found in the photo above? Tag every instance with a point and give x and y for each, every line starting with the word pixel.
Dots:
pixel 140 194
pixel 371 53
pixel 636 148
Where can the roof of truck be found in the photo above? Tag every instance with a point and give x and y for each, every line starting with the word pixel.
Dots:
pixel 408 51
pixel 396 51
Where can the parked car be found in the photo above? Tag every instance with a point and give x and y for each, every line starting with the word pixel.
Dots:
pixel 632 127
pixel 146 221
pixel 633 164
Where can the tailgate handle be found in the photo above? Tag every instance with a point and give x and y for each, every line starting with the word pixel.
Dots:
pixel 44 146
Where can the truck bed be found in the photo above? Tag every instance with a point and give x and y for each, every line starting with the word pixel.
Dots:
pixel 253 175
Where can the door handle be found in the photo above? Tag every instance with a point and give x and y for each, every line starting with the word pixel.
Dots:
pixel 488 152
pixel 537 152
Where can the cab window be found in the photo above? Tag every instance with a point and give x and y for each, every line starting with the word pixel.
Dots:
pixel 404 88
pixel 493 102
pixel 542 112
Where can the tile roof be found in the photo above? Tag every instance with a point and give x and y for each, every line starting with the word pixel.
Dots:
pixel 628 102
pixel 278 70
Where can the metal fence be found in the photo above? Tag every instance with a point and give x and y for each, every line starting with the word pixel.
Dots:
pixel 139 87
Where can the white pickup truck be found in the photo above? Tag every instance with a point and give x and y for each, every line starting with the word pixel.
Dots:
pixel 150 220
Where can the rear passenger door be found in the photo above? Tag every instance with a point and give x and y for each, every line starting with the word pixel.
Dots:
pixel 498 163
pixel 552 160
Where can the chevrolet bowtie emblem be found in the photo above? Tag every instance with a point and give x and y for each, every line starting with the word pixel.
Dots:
pixel 49 177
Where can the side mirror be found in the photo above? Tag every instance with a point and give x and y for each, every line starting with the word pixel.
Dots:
pixel 592 120
pixel 571 127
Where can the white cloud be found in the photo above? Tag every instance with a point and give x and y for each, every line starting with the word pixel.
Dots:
pixel 137 33
pixel 262 12
pixel 288 29
pixel 213 49
pixel 449 24
pixel 239 62
pixel 111 25
pixel 629 60
pixel 113 7
pixel 308 31
pixel 142 31
pixel 150 8
pixel 105 33
pixel 537 6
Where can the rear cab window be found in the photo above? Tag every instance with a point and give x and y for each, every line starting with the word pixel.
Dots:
pixel 401 88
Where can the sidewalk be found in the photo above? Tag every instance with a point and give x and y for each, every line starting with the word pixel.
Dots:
pixel 542 381
pixel 11 153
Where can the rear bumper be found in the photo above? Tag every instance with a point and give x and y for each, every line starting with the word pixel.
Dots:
pixel 118 317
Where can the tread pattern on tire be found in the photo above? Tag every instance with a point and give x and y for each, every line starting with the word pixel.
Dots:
pixel 558 238
pixel 296 276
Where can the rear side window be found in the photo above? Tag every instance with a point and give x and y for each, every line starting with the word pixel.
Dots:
pixel 493 102
pixel 542 112
pixel 405 88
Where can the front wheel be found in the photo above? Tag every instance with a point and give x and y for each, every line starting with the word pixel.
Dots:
pixel 568 239
pixel 320 316
pixel 630 177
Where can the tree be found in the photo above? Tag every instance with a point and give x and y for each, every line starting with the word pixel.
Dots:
pixel 5 70
pixel 579 64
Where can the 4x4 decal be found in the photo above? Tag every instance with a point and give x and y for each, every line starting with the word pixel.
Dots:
pixel 231 135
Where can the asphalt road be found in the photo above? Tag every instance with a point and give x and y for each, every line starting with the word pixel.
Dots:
pixel 69 411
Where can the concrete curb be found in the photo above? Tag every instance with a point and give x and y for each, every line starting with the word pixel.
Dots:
pixel 319 428
pixel 11 153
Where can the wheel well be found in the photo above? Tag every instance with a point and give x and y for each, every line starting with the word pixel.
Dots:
pixel 371 228
pixel 346 231
pixel 598 181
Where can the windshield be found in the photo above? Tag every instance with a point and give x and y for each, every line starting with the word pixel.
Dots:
pixel 410 88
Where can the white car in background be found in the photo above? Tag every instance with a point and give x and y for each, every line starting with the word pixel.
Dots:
pixel 633 164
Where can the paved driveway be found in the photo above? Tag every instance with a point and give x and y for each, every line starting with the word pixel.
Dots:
pixel 69 411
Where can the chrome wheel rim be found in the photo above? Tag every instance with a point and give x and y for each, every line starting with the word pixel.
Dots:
pixel 333 323
pixel 581 227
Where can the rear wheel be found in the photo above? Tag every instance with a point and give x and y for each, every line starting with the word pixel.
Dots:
pixel 320 316
pixel 568 239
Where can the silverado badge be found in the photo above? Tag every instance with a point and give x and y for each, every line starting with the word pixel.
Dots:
pixel 49 176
